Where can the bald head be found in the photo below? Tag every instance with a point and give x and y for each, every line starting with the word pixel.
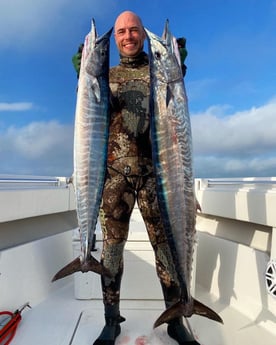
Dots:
pixel 129 34
pixel 126 16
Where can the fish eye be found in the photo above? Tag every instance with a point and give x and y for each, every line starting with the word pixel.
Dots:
pixel 157 55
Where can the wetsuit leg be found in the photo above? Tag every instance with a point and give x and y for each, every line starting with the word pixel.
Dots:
pixel 117 205
pixel 116 208
pixel 148 205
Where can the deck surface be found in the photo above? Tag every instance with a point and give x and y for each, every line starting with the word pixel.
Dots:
pixel 63 320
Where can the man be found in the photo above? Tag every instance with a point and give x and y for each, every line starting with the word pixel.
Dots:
pixel 130 177
pixel 181 42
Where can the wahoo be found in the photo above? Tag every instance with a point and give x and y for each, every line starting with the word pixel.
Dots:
pixel 172 155
pixel 90 146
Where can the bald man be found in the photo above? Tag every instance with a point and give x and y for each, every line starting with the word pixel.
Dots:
pixel 130 177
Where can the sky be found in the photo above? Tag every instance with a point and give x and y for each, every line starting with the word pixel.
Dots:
pixel 230 80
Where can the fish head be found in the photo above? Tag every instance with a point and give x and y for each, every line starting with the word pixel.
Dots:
pixel 95 57
pixel 100 54
pixel 171 42
pixel 163 61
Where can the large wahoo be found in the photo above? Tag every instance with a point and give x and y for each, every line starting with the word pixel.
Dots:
pixel 172 154
pixel 90 146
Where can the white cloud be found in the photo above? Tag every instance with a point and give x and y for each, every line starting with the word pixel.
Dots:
pixel 40 148
pixel 214 166
pixel 240 144
pixel 243 133
pixel 17 106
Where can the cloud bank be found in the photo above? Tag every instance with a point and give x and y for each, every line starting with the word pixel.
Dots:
pixel 17 106
pixel 40 148
pixel 241 144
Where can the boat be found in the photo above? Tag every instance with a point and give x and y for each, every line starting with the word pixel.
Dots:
pixel 234 266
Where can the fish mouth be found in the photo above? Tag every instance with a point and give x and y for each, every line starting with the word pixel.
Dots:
pixel 90 264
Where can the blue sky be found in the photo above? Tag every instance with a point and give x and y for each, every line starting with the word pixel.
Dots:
pixel 230 80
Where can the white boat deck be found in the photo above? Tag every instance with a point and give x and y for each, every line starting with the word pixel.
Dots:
pixel 63 320
pixel 235 244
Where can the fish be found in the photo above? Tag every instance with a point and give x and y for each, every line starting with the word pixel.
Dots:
pixel 171 138
pixel 90 146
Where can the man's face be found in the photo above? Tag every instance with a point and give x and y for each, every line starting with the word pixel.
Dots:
pixel 129 34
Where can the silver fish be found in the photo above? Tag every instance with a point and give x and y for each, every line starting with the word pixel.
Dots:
pixel 172 154
pixel 90 146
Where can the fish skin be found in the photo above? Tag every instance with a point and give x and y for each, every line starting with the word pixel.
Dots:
pixel 90 146
pixel 172 155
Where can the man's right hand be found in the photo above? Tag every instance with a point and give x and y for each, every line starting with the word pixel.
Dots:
pixel 76 59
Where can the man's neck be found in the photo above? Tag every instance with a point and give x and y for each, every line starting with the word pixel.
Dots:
pixel 134 61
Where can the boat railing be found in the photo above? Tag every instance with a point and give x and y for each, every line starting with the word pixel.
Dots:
pixel 34 207
pixel 11 182
pixel 248 199
pixel 236 237
pixel 254 183
pixel 241 211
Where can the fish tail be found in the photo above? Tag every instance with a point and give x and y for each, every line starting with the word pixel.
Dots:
pixel 181 308
pixel 87 265
pixel 203 310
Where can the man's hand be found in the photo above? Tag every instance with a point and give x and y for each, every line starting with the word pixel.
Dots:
pixel 181 41
pixel 76 59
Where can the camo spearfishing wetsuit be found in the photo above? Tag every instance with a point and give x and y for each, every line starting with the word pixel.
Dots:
pixel 130 177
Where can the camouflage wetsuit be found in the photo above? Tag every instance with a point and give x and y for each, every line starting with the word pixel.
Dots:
pixel 130 177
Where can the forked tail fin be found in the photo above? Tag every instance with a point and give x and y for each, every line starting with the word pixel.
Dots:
pixel 202 310
pixel 181 308
pixel 77 265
